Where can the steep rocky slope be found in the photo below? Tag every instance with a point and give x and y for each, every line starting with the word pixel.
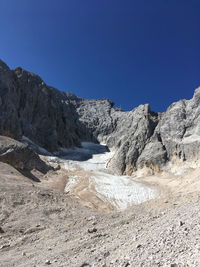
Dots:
pixel 31 108
pixel 142 138
pixel 54 119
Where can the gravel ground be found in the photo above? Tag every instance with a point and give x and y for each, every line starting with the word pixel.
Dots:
pixel 40 226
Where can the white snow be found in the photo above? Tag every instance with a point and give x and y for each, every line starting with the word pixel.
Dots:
pixel 72 181
pixel 97 162
pixel 119 191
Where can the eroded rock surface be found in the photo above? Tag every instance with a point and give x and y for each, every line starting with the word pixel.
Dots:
pixel 20 156
pixel 54 120
pixel 29 107
pixel 177 135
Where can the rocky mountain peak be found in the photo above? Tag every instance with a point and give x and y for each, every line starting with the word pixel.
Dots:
pixel 53 119
pixel 3 66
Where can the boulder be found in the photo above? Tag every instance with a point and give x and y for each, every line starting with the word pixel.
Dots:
pixel 20 156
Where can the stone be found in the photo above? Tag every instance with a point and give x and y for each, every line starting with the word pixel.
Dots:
pixel 92 230
pixel 106 254
pixel 85 264
pixel 91 218
pixel 20 156
pixel 181 223
pixel 5 246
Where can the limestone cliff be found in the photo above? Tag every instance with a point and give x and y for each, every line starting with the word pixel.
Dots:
pixel 54 119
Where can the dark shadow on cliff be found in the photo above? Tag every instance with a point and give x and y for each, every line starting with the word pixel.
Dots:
pixel 83 153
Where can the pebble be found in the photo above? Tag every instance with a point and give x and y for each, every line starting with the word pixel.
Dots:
pixel 5 246
pixel 85 264
pixel 92 230
pixel 181 223
pixel 47 262
pixel 91 218
pixel 106 254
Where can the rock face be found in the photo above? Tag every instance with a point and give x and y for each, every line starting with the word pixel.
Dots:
pixel 54 119
pixel 31 108
pixel 132 133
pixel 9 101
pixel 179 128
pixel 94 118
pixel 141 137
pixel 20 156
pixel 127 132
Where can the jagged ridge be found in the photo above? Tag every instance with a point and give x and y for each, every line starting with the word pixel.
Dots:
pixel 54 119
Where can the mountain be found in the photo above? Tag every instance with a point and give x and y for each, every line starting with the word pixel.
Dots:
pixel 52 119
pixel 63 199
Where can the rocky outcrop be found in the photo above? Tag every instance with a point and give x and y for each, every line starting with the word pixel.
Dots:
pixel 177 135
pixel 9 101
pixel 20 156
pixel 142 138
pixel 94 119
pixel 31 108
pixel 126 132
pixel 179 128
pixel 133 131
pixel 52 119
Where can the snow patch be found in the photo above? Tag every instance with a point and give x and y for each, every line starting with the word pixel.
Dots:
pixel 72 181
pixel 119 191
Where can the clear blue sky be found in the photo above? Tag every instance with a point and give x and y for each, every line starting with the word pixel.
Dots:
pixel 130 51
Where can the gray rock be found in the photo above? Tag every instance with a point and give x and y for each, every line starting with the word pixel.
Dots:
pixel 35 110
pixel 94 120
pixel 92 230
pixel 20 156
pixel 126 132
pixel 9 98
pixel 179 129
pixel 53 119
pixel 133 131
pixel 142 138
